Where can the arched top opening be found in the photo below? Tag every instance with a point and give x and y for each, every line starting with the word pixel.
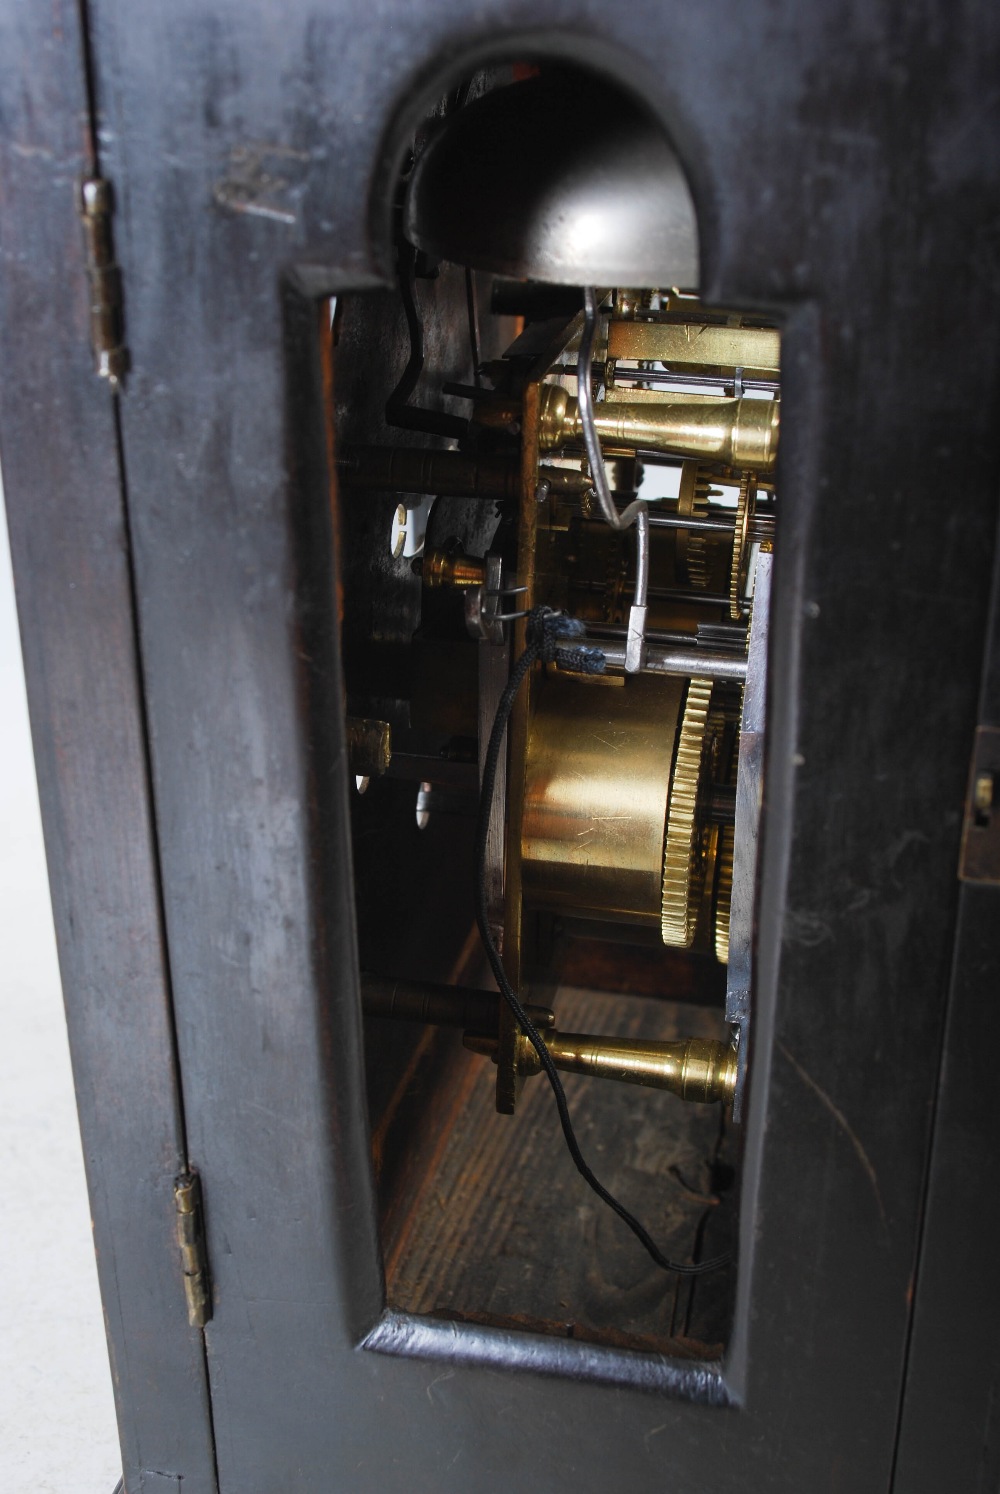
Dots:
pixel 555 177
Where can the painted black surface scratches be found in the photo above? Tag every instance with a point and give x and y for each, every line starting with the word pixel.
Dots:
pixel 859 203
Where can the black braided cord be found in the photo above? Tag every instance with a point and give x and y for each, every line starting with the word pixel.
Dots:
pixel 553 638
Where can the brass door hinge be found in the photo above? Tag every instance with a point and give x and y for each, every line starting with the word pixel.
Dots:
pixel 190 1227
pixel 107 333
pixel 980 855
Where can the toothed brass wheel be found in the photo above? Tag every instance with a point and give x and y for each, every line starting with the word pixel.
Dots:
pixel 683 851
pixel 692 503
pixel 741 544
pixel 723 892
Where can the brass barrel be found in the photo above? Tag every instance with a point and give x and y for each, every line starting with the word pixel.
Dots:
pixel 740 433
pixel 596 789
pixel 451 568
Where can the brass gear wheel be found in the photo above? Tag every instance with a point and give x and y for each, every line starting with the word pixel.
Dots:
pixel 724 855
pixel 723 891
pixel 683 851
pixel 692 503
pixel 741 547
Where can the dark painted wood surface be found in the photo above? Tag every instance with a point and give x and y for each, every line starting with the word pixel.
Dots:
pixel 69 542
pixel 949 1431
pixel 844 163
pixel 833 181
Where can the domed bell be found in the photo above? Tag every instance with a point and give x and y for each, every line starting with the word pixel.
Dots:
pixel 557 180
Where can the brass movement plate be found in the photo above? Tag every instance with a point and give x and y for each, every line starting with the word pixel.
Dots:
pixel 754 349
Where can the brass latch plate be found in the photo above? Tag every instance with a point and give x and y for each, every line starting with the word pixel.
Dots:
pixel 980 856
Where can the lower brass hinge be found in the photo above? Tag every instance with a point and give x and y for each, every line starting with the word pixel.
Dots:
pixel 190 1227
pixel 107 328
pixel 980 855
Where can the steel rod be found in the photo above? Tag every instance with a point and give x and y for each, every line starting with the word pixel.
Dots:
pixel 761 527
pixel 598 631
pixel 665 376
pixel 439 1006
pixel 685 662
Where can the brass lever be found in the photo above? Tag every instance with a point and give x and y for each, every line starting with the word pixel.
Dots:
pixel 692 1068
